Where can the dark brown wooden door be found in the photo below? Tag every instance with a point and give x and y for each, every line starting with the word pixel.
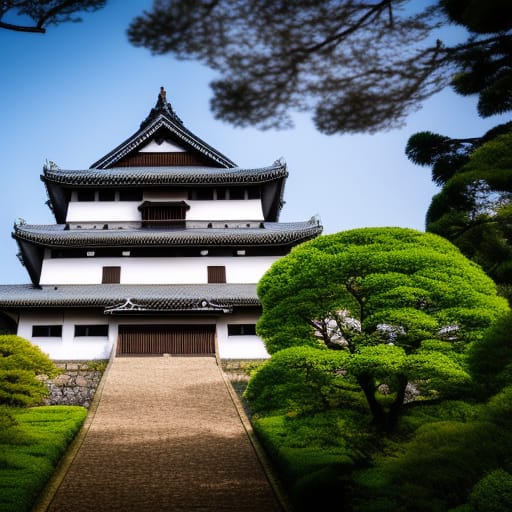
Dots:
pixel 196 340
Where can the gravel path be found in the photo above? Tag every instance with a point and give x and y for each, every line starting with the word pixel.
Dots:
pixel 165 436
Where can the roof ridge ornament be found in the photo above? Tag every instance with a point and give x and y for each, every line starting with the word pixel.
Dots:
pixel 162 107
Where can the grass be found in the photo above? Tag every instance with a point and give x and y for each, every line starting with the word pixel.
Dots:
pixel 31 449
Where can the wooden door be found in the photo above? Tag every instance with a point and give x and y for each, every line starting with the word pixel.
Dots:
pixel 166 339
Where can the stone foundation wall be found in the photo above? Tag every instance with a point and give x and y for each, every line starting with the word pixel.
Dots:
pixel 76 384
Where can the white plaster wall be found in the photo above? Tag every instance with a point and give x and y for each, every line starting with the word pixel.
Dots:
pixel 103 212
pixel 239 347
pixel 70 348
pixel 243 269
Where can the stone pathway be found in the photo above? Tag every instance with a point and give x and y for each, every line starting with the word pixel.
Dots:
pixel 165 436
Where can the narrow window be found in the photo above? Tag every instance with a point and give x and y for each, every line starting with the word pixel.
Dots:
pixel 236 193
pixel 106 194
pixel 85 195
pixel 130 194
pixel 111 275
pixel 241 329
pixel 203 194
pixel 47 331
pixel 91 330
pixel 216 274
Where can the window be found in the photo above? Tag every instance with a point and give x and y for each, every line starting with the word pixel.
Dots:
pixel 164 213
pixel 47 331
pixel 85 195
pixel 236 193
pixel 91 330
pixel 241 329
pixel 130 194
pixel 106 195
pixel 111 275
pixel 216 274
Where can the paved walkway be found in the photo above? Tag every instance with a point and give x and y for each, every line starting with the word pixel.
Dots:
pixel 165 436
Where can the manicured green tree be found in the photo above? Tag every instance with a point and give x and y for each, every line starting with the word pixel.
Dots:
pixel 20 363
pixel 401 304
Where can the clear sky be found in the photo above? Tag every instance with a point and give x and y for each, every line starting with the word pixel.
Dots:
pixel 75 93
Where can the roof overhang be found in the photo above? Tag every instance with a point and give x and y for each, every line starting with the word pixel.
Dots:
pixel 271 179
pixel 119 299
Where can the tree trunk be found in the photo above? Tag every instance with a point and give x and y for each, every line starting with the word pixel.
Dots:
pixel 397 405
pixel 368 386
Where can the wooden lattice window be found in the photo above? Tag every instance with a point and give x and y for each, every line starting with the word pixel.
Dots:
pixel 164 213
pixel 216 274
pixel 111 275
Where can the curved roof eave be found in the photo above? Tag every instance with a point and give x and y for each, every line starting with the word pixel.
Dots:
pixel 271 234
pixel 196 298
pixel 158 176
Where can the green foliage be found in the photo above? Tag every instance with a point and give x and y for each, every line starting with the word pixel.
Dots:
pixel 297 380
pixel 490 359
pixel 493 493
pixel 499 408
pixel 386 291
pixel 474 209
pixel 31 449
pixel 20 363
pixel 437 468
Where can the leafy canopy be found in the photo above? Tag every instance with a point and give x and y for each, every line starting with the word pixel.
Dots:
pixel 358 66
pixel 474 209
pixel 401 305
pixel 399 284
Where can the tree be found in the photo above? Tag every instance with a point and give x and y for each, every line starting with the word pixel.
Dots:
pixel 44 12
pixel 358 66
pixel 401 304
pixel 20 364
pixel 474 209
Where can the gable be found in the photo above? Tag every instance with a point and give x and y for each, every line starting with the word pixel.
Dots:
pixel 163 140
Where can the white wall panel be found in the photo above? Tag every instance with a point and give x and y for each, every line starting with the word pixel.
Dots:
pixel 103 212
pixel 243 269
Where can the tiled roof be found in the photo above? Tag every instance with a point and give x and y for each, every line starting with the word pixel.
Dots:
pixel 162 116
pixel 133 176
pixel 272 234
pixel 199 297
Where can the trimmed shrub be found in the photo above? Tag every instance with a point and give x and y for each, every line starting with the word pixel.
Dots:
pixel 298 379
pixel 493 493
pixel 20 363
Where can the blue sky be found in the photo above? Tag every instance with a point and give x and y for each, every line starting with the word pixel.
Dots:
pixel 75 93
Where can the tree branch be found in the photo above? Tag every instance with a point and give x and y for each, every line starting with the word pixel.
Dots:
pixel 20 28
pixel 376 9
pixel 54 11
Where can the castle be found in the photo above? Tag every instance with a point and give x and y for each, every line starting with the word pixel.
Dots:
pixel 157 248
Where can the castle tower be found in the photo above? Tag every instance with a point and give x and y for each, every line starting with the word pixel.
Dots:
pixel 157 248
